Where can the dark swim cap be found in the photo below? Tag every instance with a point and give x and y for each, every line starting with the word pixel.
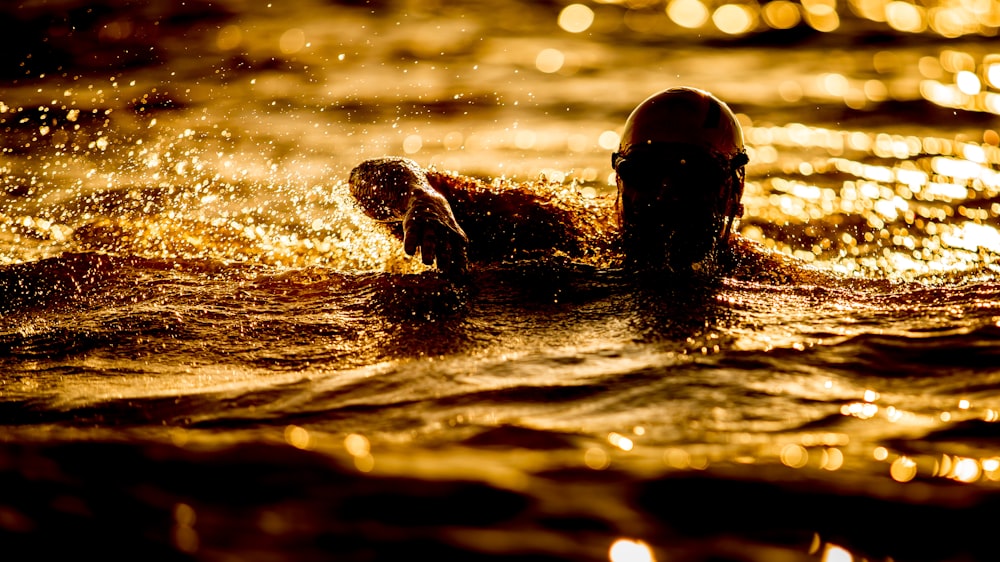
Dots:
pixel 686 116
pixel 680 172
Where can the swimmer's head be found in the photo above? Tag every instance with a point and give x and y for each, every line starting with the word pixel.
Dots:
pixel 680 171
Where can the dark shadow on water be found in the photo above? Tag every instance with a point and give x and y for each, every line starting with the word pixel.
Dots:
pixel 671 307
pixel 546 295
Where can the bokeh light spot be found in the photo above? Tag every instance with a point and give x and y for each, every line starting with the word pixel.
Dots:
pixel 691 14
pixel 834 553
pixel 364 463
pixel 993 74
pixel 292 41
pixel 412 144
pixel 525 139
pixel 903 469
pixel 229 38
pixel 834 84
pixel 357 445
pixel 550 60
pixel 576 18
pixel 821 15
pixel 904 16
pixel 833 459
pixel 627 550
pixel 966 470
pixel 297 437
pixel 608 140
pixel 968 83
pixel 733 18
pixel 620 441
pixel 596 458
pixel 782 14
pixel 794 455
pixel 790 91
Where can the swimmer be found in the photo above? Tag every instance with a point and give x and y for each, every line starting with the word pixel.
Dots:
pixel 680 170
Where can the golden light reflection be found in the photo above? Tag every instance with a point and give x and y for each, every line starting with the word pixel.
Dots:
pixel 550 60
pixel 834 553
pixel 991 468
pixel 596 458
pixel 959 468
pixel 576 18
pixel 832 459
pixel 734 19
pixel 992 74
pixel 909 206
pixel 903 469
pixel 957 61
pixel 968 83
pixel 893 414
pixel 947 18
pixel 525 139
pixel 794 455
pixel 907 17
pixel 608 140
pixel 972 236
pixel 629 550
pixel 790 91
pixel 364 463
pixel 930 67
pixel 453 140
pixel 620 441
pixel 860 410
pixel 965 469
pixel 691 14
pixel 968 89
pixel 183 534
pixel 359 448
pixel 229 38
pixel 184 515
pixel 781 14
pixel 179 436
pixel 357 445
pixel 821 15
pixel 943 467
pixel 292 41
pixel 677 458
pixel 297 437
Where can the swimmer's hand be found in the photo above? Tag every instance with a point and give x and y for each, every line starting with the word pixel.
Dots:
pixel 430 226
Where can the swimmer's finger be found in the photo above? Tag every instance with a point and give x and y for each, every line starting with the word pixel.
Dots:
pixel 413 234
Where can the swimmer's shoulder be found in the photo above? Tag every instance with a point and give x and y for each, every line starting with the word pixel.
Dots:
pixel 508 219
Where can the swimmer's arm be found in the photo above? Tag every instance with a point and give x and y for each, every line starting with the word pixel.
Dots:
pixel 396 190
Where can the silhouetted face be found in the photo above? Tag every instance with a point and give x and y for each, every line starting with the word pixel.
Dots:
pixel 673 203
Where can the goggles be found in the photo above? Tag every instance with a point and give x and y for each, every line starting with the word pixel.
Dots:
pixel 656 164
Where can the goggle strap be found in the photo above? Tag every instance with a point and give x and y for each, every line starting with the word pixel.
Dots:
pixel 737 161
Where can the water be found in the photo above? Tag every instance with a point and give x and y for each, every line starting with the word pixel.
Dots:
pixel 209 353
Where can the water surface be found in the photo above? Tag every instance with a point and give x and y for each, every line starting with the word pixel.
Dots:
pixel 208 352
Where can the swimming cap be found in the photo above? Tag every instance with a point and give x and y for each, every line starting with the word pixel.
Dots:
pixel 686 116
pixel 680 174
